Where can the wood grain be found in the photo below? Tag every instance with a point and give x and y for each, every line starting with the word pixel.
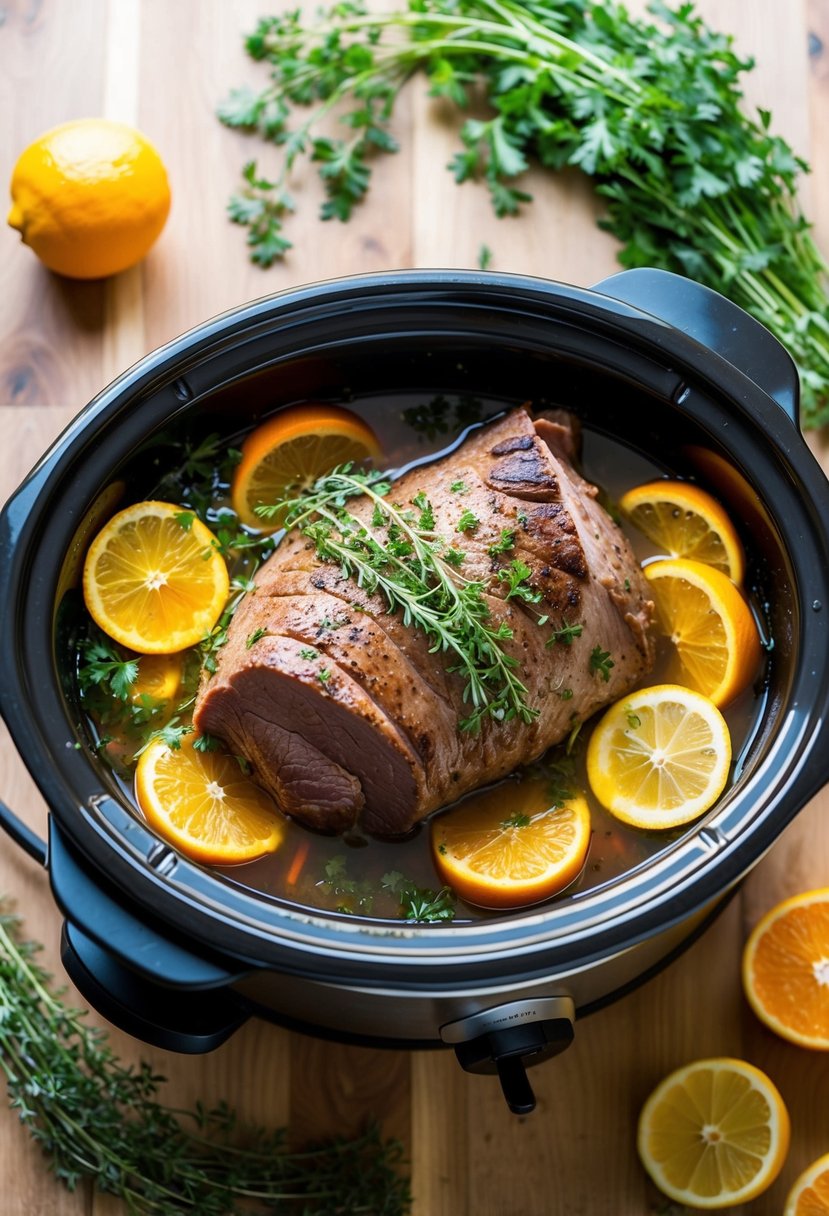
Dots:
pixel 164 66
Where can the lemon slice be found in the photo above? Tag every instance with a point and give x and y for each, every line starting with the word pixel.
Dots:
pixel 714 1133
pixel 810 1194
pixel 204 805
pixel 154 579
pixel 503 852
pixel 290 451
pixel 716 642
pixel 659 757
pixel 686 522
pixel 786 969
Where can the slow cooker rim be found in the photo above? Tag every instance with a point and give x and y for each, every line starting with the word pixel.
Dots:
pixel 198 342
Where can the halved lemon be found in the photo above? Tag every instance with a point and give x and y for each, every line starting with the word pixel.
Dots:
pixel 714 1133
pixel 659 757
pixel 154 580
pixel 685 521
pixel 204 805
pixel 716 641
pixel 810 1194
pixel 286 455
pixel 786 969
pixel 159 677
pixel 498 852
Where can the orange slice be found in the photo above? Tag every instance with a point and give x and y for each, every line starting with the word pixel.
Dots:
pixel 501 853
pixel 810 1194
pixel 159 677
pixel 659 757
pixel 684 521
pixel 154 580
pixel 786 969
pixel 203 804
pixel 714 1133
pixel 286 455
pixel 716 642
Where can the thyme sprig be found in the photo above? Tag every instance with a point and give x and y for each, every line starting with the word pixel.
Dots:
pixel 97 1119
pixel 398 555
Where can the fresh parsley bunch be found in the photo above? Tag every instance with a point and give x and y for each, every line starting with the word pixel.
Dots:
pixel 651 109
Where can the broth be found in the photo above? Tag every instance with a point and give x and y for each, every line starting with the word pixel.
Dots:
pixel 356 874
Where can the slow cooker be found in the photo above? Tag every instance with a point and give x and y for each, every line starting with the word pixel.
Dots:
pixel 178 956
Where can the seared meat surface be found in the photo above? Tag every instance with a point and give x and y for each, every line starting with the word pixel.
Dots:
pixel 342 709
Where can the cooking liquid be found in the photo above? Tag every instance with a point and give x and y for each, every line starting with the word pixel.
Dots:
pixel 350 874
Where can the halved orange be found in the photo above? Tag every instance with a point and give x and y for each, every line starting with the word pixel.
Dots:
pixel 204 805
pixel 154 579
pixel 685 521
pixel 716 641
pixel 714 1133
pixel 659 757
pixel 506 852
pixel 810 1194
pixel 786 969
pixel 286 455
pixel 159 677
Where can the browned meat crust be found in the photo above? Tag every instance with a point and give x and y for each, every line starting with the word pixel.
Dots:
pixel 368 726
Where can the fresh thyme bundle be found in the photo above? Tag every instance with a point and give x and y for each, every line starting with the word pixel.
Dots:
pixel 96 1119
pixel 650 109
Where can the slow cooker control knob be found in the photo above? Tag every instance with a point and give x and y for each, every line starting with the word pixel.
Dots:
pixel 509 1038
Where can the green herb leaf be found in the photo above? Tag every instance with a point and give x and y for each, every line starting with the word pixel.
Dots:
pixel 600 662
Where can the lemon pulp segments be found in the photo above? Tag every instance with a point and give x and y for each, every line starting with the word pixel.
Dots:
pixel 786 969
pixel 714 1133
pixel 497 859
pixel 659 757
pixel 286 454
pixel 203 804
pixel 685 522
pixel 154 579
pixel 716 642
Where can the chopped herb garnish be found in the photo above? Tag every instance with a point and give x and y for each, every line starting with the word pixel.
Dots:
pixel 516 577
pixel 516 820
pixel 600 662
pixel 455 557
pixel 254 637
pixel 185 519
pixel 566 694
pixel 324 675
pixel 633 719
pixel 426 523
pixel 564 635
pixel 105 667
pixel 207 743
pixel 459 487
pixel 306 652
pixel 503 544
pixel 468 521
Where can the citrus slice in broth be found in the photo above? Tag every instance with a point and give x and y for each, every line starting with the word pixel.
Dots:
pixel 714 1133
pixel 500 854
pixel 659 757
pixel 716 642
pixel 786 969
pixel 810 1194
pixel 286 454
pixel 204 805
pixel 159 677
pixel 685 522
pixel 154 580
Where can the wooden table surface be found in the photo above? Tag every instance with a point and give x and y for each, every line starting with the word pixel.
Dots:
pixel 163 66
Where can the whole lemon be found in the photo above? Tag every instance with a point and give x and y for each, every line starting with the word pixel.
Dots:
pixel 89 197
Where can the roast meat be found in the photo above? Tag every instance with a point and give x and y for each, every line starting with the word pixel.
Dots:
pixel 377 738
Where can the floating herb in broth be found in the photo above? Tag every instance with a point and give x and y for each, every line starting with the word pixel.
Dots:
pixel 355 874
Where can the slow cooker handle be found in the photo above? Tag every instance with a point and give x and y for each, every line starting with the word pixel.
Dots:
pixel 715 322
